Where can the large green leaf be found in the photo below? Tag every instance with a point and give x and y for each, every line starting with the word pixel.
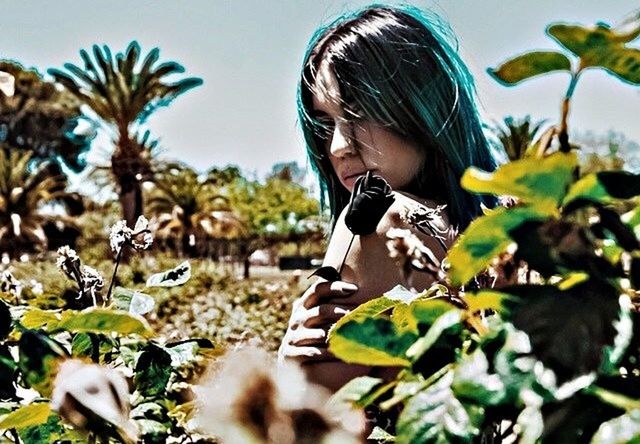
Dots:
pixel 28 415
pixel 622 62
pixel 371 341
pixel 571 330
pixel 104 320
pixel 153 370
pixel 435 415
pixel 38 360
pixel 37 318
pixel 623 429
pixel 538 182
pixel 484 239
pixel 5 320
pixel 528 65
pixel 7 373
pixel 444 322
pixel 46 433
pixel 604 187
pixel 581 39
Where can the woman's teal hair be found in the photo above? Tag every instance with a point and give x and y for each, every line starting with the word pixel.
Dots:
pixel 395 66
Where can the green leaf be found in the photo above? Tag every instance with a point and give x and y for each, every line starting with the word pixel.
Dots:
pixel 604 187
pixel 528 65
pixel 104 320
pixel 622 62
pixel 569 330
pixel 541 183
pixel 354 391
pixel 484 239
pixel 473 382
pixel 171 278
pixel 427 311
pixel 370 342
pixel 422 345
pixel 81 345
pixel 581 39
pixel 38 360
pixel 5 320
pixel 46 433
pixel 134 302
pixel 7 373
pixel 486 300
pixel 435 415
pixel 152 371
pixel 37 318
pixel 28 415
pixel 152 431
pixel 623 429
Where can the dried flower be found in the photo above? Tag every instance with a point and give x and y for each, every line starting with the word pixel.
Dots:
pixel 120 234
pixel 251 399
pixel 141 238
pixel 69 262
pixel 9 284
pixel 88 395
pixel 411 253
pixel 91 281
pixel 370 200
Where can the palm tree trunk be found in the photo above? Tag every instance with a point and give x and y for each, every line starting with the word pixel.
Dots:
pixel 131 203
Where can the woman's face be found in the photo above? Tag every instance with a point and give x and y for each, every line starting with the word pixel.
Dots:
pixel 355 146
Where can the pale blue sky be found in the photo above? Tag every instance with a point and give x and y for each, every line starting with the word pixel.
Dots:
pixel 249 55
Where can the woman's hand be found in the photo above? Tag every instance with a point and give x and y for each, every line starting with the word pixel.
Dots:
pixel 312 316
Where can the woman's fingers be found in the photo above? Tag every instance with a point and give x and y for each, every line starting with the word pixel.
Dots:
pixel 307 336
pixel 309 354
pixel 324 314
pixel 323 290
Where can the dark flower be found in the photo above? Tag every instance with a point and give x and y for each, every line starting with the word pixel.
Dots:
pixel 370 200
pixel 328 273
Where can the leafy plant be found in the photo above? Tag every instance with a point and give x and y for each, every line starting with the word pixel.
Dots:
pixel 47 352
pixel 530 330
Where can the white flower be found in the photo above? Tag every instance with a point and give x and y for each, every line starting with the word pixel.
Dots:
pixel 141 238
pixel 120 234
pixel 9 284
pixel 69 262
pixel 81 388
pixel 251 399
pixel 7 84
pixel 36 287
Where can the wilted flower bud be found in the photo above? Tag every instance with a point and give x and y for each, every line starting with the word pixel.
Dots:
pixel 141 238
pixel 410 252
pixel 120 234
pixel 9 284
pixel 370 200
pixel 69 262
pixel 88 395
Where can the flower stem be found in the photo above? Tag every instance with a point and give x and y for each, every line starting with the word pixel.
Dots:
pixel 113 276
pixel 353 236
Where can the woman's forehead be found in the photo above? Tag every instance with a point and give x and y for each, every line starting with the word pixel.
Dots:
pixel 326 90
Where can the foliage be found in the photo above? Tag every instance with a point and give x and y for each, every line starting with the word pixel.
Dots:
pixel 516 135
pixel 190 208
pixel 530 332
pixel 43 120
pixel 124 91
pixel 24 226
pixel 38 340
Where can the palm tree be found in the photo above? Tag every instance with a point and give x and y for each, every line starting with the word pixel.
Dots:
pixel 516 135
pixel 189 208
pixel 124 93
pixel 23 193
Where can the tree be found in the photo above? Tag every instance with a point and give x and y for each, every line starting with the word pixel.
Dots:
pixel 123 93
pixel 23 193
pixel 189 207
pixel 41 119
pixel 516 135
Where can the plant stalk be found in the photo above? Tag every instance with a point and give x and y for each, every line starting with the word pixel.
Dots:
pixel 113 276
pixel 353 236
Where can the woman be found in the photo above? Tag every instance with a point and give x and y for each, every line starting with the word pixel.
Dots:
pixel 381 90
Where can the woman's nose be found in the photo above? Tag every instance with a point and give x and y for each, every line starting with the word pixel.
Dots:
pixel 342 140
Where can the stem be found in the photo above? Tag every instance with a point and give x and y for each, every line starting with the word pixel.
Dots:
pixel 432 233
pixel 427 382
pixel 115 270
pixel 353 236
pixel 563 136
